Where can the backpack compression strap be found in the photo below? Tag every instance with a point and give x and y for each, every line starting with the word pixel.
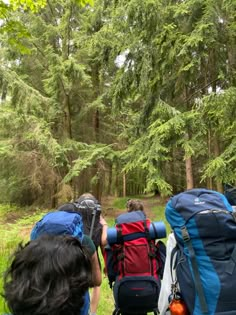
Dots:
pixel 152 253
pixel 198 284
pixel 120 250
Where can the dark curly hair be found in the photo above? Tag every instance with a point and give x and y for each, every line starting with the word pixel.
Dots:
pixel 48 276
pixel 134 205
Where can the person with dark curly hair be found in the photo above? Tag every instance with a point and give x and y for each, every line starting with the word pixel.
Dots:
pixel 134 205
pixel 49 275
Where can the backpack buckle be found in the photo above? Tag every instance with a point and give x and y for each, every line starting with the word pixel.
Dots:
pixel 185 234
pixel 121 256
pixel 150 254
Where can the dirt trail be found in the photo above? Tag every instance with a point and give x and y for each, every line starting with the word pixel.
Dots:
pixel 148 203
pixel 108 210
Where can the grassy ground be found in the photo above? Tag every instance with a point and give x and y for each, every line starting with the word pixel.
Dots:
pixel 16 224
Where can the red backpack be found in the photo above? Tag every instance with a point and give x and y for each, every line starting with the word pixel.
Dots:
pixel 135 262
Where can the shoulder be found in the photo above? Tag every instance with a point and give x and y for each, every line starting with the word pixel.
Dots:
pixel 89 244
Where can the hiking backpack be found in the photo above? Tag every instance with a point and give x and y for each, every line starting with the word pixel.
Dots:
pixel 58 223
pixel 204 226
pixel 90 209
pixel 134 264
pixel 62 222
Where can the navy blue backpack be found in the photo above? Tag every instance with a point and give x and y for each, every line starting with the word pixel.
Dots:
pixel 204 225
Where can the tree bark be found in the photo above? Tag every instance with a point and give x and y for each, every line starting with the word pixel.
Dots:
pixel 124 184
pixel 67 117
pixel 189 173
pixel 209 179
pixel 219 185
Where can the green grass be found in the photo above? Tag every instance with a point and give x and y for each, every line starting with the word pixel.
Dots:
pixel 120 203
pixel 15 227
pixel 13 224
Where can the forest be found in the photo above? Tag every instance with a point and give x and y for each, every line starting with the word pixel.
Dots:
pixel 115 97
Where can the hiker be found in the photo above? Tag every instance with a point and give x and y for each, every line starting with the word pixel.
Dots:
pixel 67 220
pixel 96 227
pixel 49 275
pixel 134 262
pixel 199 276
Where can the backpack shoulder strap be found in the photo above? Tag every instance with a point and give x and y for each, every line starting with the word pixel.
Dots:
pixel 197 280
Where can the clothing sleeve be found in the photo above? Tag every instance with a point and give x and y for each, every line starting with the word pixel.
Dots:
pixel 89 245
pixel 163 302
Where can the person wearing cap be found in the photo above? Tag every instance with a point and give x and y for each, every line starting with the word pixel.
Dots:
pixel 95 226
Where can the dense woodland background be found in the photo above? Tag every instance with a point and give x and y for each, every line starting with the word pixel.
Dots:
pixel 116 97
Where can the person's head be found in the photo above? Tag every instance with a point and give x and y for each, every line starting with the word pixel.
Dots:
pixel 134 205
pixel 87 200
pixel 90 209
pixel 87 196
pixel 48 276
pixel 68 207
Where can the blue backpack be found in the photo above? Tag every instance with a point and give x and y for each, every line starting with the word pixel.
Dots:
pixel 58 223
pixel 204 225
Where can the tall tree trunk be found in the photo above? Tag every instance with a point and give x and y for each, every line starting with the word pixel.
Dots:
pixel 231 49
pixel 4 91
pixel 213 76
pixel 209 179
pixel 96 126
pixel 189 173
pixel 188 160
pixel 124 184
pixel 219 185
pixel 110 174
pixel 67 117
pixel 66 38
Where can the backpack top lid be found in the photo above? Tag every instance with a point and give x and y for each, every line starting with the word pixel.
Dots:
pixel 58 223
pixel 131 225
pixel 133 216
pixel 192 201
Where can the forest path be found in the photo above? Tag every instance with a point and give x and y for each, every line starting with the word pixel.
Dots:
pixel 148 203
pixel 108 210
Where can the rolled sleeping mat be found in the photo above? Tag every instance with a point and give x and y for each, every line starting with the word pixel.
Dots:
pixel 156 230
